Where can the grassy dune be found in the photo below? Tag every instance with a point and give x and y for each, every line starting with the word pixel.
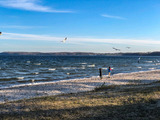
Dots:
pixel 115 102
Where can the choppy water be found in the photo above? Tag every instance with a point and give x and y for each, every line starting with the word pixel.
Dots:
pixel 18 70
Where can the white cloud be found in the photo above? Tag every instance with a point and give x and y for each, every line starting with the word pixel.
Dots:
pixel 114 17
pixel 77 40
pixel 17 36
pixel 31 5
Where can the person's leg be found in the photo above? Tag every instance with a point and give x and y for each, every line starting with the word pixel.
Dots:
pixel 109 73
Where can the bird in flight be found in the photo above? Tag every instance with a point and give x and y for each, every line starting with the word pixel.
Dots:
pixel 116 49
pixel 0 33
pixel 64 40
pixel 128 47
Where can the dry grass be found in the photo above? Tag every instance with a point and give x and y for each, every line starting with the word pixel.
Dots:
pixel 106 102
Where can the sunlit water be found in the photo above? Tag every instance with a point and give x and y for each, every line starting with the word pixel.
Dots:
pixel 18 70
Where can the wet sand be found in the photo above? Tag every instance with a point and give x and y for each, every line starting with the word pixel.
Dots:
pixel 76 85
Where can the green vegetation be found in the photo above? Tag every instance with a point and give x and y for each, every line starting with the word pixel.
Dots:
pixel 125 102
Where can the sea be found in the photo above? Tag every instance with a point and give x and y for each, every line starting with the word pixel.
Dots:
pixel 28 70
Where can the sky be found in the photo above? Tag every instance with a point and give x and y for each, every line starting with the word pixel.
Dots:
pixel 89 25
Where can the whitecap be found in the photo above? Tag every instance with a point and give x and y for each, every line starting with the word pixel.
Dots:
pixel 105 68
pixel 83 63
pixel 52 69
pixel 139 67
pixel 83 67
pixel 151 68
pixel 28 61
pixel 148 61
pixel 91 65
pixel 68 68
pixel 33 80
pixel 36 73
pixel 20 78
pixel 37 63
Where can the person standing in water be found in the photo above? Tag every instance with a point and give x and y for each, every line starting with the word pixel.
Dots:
pixel 100 73
pixel 109 71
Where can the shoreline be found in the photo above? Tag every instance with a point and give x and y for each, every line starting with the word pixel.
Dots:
pixel 63 80
pixel 76 85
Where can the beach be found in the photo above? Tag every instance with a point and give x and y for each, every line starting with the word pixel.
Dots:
pixel 76 85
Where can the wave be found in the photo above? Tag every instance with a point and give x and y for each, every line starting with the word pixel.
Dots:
pixel 69 68
pixel 21 73
pixel 73 73
pixel 52 69
pixel 37 63
pixel 83 67
pixel 22 81
pixel 68 73
pixel 83 63
pixel 57 69
pixel 28 81
pixel 20 78
pixel 105 68
pixel 33 81
pixel 93 65
pixel 75 68
pixel 35 73
pixel 28 61
pixel 7 79
pixel 151 68
pixel 42 83
pixel 139 67
pixel 148 61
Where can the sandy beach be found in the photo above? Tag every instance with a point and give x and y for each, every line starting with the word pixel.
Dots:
pixel 76 85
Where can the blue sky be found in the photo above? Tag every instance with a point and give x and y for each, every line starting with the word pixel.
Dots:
pixel 90 25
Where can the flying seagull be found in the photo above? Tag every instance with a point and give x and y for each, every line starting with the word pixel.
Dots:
pixel 64 40
pixel 128 47
pixel 116 49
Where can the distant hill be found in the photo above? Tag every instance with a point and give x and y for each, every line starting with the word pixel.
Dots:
pixel 80 54
pixel 51 54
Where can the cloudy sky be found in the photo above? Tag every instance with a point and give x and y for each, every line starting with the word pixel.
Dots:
pixel 90 25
